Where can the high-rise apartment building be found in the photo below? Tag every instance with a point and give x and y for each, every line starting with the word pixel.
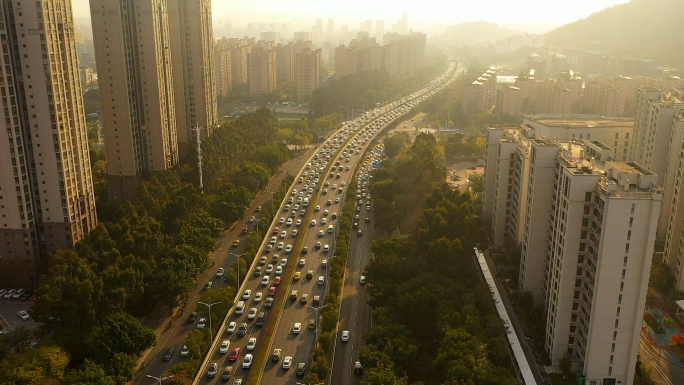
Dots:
pixel 331 27
pixel 403 54
pixel 308 66
pixel 134 66
pixel 270 36
pixel 223 71
pixel 231 54
pixel 379 28
pixel 47 200
pixel 303 36
pixel 194 80
pixel 672 212
pixel 285 59
pixel 587 225
pixel 481 93
pixel 509 100
pixel 402 25
pixel 262 71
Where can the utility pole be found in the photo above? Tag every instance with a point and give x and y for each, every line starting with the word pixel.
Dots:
pixel 160 379
pixel 197 130
pixel 238 265
pixel 209 305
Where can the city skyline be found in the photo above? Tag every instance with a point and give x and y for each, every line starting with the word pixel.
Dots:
pixel 501 11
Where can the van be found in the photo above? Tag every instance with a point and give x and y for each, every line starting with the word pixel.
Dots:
pixel 240 307
pixel 260 319
pixel 331 228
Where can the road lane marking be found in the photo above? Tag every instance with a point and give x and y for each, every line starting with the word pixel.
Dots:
pixel 657 368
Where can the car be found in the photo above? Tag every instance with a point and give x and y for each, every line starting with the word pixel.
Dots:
pixel 329 202
pixel 358 369
pixel 234 354
pixel 325 213
pixel 316 301
pixel 334 216
pixel 296 328
pixel 288 249
pixel 309 274
pixel 287 362
pixel 298 223
pixel 321 280
pixel 277 353
pixel 208 285
pixel 252 313
pixel 345 336
pixel 304 298
pixel 168 354
pixel 257 271
pixel 281 245
pixel 281 220
pixel 258 208
pixel 317 208
pixel 262 260
pixel 321 233
pixel 236 243
pixel 326 248
pixel 268 248
pixel 242 330
pixel 269 269
pixel 293 295
pixel 305 250
pixel 313 222
pixel 297 276
pixel 231 328
pixel 269 302
pixel 277 281
pixel 201 323
pixel 251 344
pixel 273 240
pixel 317 245
pixel 272 291
pixel 312 323
pixel 192 317
pixel 264 281
pixel 213 367
pixel 275 259
pixel 337 200
pixel 279 270
pixel 362 280
pixel 247 362
pixel 247 294
pixel 226 375
pixel 257 297
pixel 283 234
pixel 224 347
pixel 289 220
pixel 359 233
pixel 220 272
pixel 252 219
pixel 185 351
pixel 301 369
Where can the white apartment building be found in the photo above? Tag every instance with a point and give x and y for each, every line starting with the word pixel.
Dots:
pixel 672 211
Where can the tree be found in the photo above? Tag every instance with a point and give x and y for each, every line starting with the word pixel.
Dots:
pixel 476 182
pixel 35 366
pixel 383 375
pixel 662 278
pixel 120 333
pixel 565 365
pixel 197 343
pixel 252 176
pixel 90 374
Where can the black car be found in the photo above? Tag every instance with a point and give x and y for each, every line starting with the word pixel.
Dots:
pixel 25 296
pixel 168 354
pixel 242 330
pixel 301 369
pixel 274 260
pixel 192 318
pixel 358 369
pixel 305 250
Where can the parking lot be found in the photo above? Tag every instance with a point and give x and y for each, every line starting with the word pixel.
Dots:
pixel 9 315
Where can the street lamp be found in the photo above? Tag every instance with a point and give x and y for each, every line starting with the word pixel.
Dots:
pixel 238 264
pixel 257 229
pixel 272 198
pixel 160 379
pixel 209 305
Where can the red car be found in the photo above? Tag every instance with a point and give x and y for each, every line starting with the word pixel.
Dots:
pixel 334 216
pixel 244 230
pixel 234 354
pixel 272 291
pixel 276 231
pixel 276 281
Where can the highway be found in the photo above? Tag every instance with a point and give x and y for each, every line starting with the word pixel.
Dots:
pixel 355 313
pixel 299 346
pixel 221 257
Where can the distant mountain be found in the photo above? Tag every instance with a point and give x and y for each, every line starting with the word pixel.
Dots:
pixel 473 32
pixel 648 29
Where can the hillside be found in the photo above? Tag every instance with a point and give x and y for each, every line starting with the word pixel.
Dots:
pixel 473 32
pixel 646 29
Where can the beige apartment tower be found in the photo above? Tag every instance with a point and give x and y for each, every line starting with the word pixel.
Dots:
pixel 192 51
pixel 134 66
pixel 308 66
pixel 46 200
pixel 261 64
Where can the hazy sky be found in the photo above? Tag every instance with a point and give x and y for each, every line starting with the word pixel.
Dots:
pixel 498 11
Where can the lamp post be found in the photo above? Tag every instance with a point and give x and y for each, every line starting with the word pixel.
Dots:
pixel 318 319
pixel 209 305
pixel 238 264
pixel 160 379
pixel 272 198
pixel 257 229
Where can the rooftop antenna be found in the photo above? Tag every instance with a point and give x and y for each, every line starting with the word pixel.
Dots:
pixel 197 130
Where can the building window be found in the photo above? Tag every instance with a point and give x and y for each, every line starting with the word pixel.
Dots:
pixel 625 262
pixel 622 286
pixel 618 312
pixel 623 273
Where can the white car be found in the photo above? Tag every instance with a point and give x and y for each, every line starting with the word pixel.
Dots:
pixel 264 281
pixel 288 249
pixel 24 315
pixel 201 323
pixel 313 222
pixel 302 262
pixel 251 344
pixel 281 220
pixel 252 313
pixel 185 351
pixel 287 362
pixel 252 219
pixel 247 294
pixel 269 269
pixel 294 233
pixel 296 328
pixel 289 221
pixel 321 280
pixel 345 336
pixel 326 248
pixel 224 347
pixel 320 233
pixel 231 328
pixel 318 208
pixel 220 272
pixel 257 297
pixel 247 362
pixel 273 240
pixel 279 270
pixel 283 234
pixel 323 221
pixel 281 245
pixel 298 223
pixel 283 262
